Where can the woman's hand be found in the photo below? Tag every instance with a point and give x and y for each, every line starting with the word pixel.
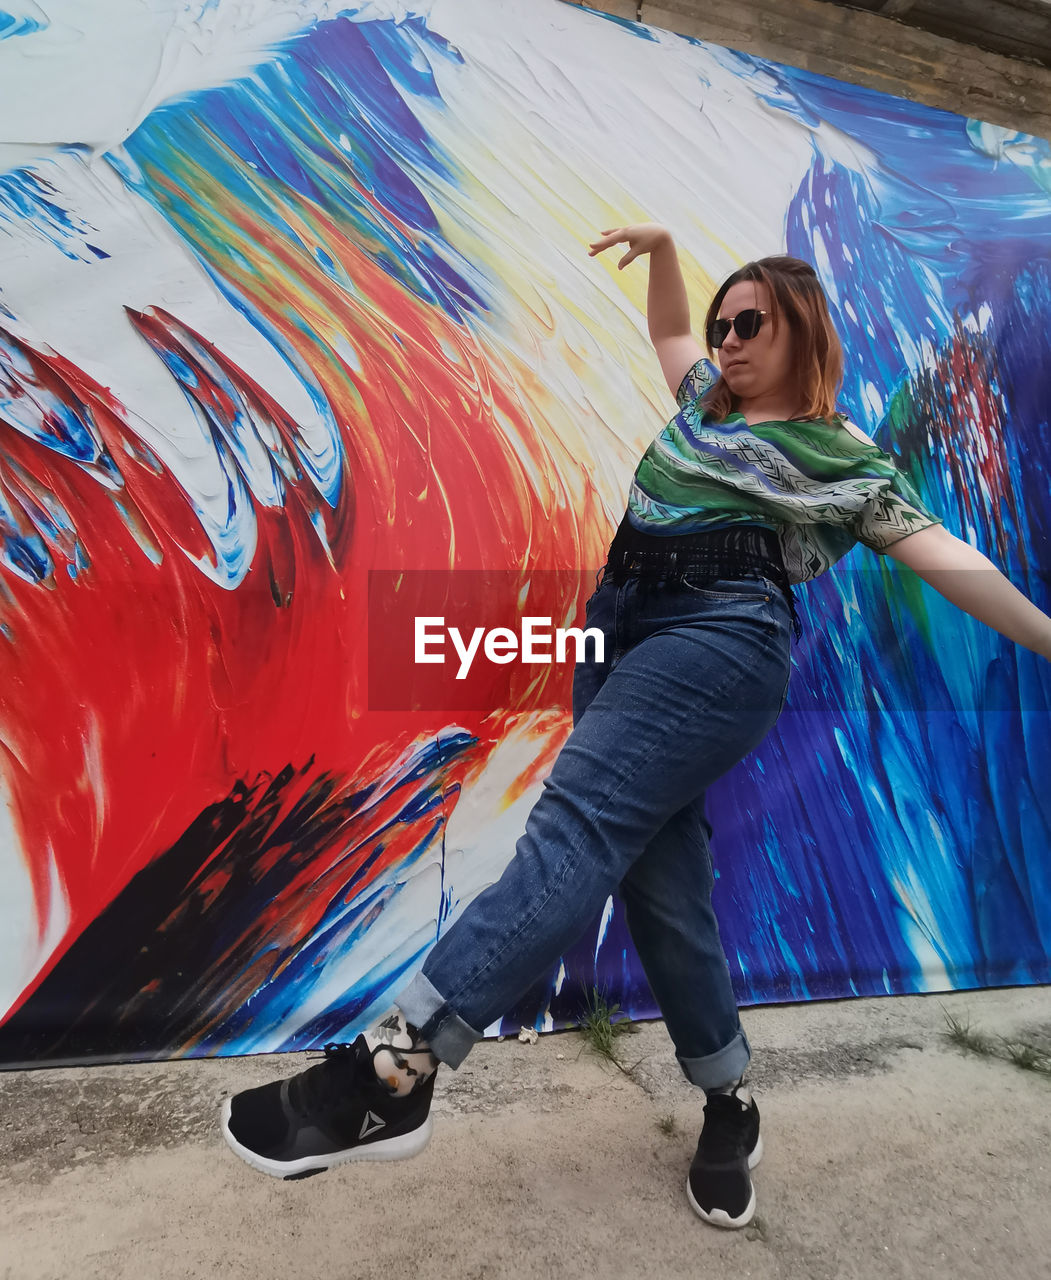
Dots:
pixel 641 237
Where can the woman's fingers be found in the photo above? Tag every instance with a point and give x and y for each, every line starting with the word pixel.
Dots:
pixel 608 237
pixel 641 237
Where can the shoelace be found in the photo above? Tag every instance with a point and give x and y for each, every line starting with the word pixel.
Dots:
pixel 322 1087
pixel 725 1117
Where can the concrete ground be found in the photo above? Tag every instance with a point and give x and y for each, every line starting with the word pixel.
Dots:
pixel 889 1153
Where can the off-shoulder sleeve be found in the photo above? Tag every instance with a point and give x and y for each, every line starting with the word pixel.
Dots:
pixel 697 381
pixel 893 511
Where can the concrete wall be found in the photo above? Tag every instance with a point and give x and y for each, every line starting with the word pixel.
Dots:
pixel 864 49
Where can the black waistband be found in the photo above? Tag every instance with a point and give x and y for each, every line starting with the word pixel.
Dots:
pixel 734 552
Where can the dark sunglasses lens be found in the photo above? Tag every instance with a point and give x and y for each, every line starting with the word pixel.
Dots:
pixel 747 323
pixel 717 333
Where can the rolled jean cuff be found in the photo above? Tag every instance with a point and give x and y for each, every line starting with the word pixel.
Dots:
pixel 726 1066
pixel 449 1038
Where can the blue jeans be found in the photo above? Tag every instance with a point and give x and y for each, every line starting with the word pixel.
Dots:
pixel 693 679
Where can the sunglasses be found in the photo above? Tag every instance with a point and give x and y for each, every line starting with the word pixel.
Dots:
pixel 746 324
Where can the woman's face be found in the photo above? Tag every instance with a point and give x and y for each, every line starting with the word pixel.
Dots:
pixel 758 368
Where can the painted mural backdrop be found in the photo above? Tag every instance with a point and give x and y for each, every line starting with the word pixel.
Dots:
pixel 292 291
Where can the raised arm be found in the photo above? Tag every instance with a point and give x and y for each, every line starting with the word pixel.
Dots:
pixel 974 584
pixel 667 306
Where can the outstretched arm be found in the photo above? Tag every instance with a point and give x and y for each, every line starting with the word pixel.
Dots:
pixel 974 584
pixel 667 304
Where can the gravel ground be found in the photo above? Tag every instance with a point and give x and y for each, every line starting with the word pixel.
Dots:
pixel 889 1153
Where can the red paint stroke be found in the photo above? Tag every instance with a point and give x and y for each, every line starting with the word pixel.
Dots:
pixel 135 695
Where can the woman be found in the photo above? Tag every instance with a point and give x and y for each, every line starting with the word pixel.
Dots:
pixel 756 483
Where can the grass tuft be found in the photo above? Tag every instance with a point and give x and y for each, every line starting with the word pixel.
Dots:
pixel 601 1028
pixel 668 1126
pixel 1029 1057
pixel 1023 1053
pixel 961 1035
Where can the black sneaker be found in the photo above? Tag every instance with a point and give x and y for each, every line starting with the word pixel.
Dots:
pixel 719 1187
pixel 327 1115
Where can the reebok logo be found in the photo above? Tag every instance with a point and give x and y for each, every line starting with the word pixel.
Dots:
pixel 370 1124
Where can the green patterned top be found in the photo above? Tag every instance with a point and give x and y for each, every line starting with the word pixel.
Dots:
pixel 818 486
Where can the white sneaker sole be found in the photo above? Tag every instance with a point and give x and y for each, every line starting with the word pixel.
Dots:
pixel 719 1217
pixel 400 1148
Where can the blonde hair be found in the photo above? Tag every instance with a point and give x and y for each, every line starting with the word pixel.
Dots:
pixel 797 299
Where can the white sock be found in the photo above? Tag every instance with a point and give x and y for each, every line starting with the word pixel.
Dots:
pixel 743 1091
pixel 400 1058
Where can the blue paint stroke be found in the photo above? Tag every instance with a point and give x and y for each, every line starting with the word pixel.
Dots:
pixel 28 203
pixel 13 25
pixel 332 123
